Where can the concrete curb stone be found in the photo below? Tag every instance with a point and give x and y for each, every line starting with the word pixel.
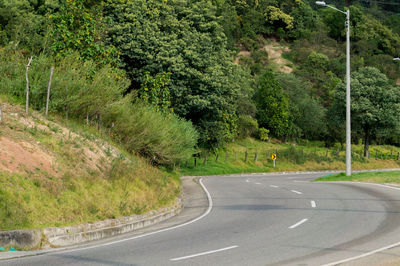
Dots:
pixel 72 235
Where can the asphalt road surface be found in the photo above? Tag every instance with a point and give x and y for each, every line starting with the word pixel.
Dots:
pixel 260 220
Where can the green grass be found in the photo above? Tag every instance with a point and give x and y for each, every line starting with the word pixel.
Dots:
pixel 374 177
pixel 303 156
pixel 90 178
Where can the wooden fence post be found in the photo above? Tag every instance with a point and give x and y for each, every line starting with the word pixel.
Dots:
pixel 256 156
pixel 391 155
pixel 337 152
pixel 216 157
pixel 376 154
pixel 48 91
pixel 226 157
pixel 195 161
pixel 205 159
pixel 327 150
pixel 235 156
pixel 27 85
pixel 245 156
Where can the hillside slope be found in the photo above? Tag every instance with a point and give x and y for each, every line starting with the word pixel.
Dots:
pixel 52 175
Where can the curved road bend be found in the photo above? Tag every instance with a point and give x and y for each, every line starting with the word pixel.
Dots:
pixel 261 220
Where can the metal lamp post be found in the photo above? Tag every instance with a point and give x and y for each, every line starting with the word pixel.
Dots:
pixel 348 123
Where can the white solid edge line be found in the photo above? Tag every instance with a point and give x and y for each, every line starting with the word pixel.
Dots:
pixel 297 192
pixel 299 223
pixel 210 206
pixel 373 251
pixel 313 204
pixel 363 255
pixel 273 186
pixel 365 183
pixel 204 253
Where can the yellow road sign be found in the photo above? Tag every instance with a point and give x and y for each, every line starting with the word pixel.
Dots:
pixel 273 156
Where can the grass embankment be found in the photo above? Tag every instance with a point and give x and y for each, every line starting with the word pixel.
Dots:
pixel 53 175
pixel 305 156
pixel 373 177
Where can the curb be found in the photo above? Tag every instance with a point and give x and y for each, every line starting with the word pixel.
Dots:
pixel 71 235
pixel 304 172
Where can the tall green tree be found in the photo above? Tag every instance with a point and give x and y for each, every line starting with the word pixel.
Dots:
pixel 306 112
pixel 375 104
pixel 78 26
pixel 272 105
pixel 185 39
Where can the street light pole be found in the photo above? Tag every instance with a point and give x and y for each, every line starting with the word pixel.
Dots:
pixel 348 109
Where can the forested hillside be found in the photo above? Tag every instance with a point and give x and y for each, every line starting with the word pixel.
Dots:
pixel 165 78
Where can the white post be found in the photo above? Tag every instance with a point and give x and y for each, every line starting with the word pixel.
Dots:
pixel 348 109
pixel 27 85
pixel 48 91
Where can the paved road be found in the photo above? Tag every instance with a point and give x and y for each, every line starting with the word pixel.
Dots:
pixel 261 220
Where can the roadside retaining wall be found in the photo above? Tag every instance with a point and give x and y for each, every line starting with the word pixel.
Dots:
pixel 71 235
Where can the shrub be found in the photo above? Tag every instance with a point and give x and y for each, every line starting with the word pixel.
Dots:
pixel 263 132
pixel 164 138
pixel 247 126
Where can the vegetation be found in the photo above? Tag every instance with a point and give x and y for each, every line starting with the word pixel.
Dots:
pixel 51 175
pixel 373 177
pixel 83 91
pixel 179 57
pixel 375 104
pixel 254 156
pixel 168 79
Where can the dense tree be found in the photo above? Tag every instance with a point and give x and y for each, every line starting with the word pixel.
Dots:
pixel 272 105
pixel 78 27
pixel 306 113
pixel 375 104
pixel 184 39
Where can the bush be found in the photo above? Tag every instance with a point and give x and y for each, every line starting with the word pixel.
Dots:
pixel 263 132
pixel 247 126
pixel 81 88
pixel 164 138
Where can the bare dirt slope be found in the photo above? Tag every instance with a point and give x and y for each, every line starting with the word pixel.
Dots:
pixel 275 51
pixel 23 153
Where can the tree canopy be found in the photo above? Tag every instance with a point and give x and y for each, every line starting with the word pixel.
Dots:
pixel 375 104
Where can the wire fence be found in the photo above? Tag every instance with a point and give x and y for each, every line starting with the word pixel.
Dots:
pixel 292 154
